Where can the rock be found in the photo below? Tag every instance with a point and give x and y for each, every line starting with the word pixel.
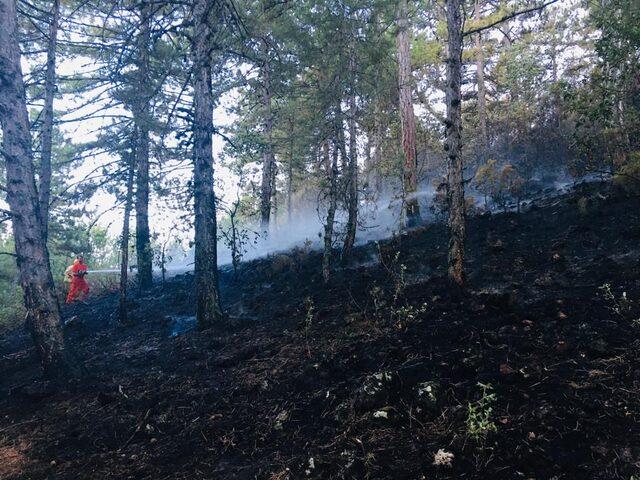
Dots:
pixel 506 330
pixel 282 417
pixel 375 391
pixel 427 395
pixel 506 370
pixel 498 298
pixel 443 458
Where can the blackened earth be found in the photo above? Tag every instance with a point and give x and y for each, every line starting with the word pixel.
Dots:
pixel 367 377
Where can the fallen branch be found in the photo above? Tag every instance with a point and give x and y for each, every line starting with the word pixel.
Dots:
pixel 509 16
pixel 138 428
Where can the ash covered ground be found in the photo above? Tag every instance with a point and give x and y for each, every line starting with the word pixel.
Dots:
pixel 384 374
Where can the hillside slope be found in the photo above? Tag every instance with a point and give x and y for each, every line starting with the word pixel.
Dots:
pixel 368 377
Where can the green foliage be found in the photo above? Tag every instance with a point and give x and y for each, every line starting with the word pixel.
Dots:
pixel 11 306
pixel 99 250
pixel 605 106
pixel 479 414
pixel 500 184
pixel 621 305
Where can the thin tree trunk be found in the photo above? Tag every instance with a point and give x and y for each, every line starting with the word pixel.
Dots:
pixel 208 307
pixel 332 177
pixel 290 172
pixel 407 117
pixel 352 168
pixel 453 144
pixel 47 119
pixel 378 135
pixel 268 159
pixel 124 240
pixel 482 100
pixel 43 310
pixel 142 120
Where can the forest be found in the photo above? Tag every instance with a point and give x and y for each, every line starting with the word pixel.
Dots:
pixel 285 239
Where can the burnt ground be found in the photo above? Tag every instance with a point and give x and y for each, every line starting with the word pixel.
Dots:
pixel 368 377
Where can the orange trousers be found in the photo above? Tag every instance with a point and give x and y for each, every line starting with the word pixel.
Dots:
pixel 79 288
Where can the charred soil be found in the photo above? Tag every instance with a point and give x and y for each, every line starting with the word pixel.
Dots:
pixel 532 372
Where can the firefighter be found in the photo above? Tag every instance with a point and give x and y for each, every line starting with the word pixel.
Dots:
pixel 79 286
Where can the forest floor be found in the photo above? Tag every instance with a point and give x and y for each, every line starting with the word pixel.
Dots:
pixel 532 373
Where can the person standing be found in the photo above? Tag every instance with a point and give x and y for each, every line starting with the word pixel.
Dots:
pixel 79 286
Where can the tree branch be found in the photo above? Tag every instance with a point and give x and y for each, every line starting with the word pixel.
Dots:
pixel 508 17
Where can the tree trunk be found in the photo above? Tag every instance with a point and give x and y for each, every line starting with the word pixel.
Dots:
pixel 378 137
pixel 124 240
pixel 482 100
pixel 332 177
pixel 43 310
pixel 290 172
pixel 407 117
pixel 453 144
pixel 268 159
pixel 142 121
pixel 208 307
pixel 47 119
pixel 352 168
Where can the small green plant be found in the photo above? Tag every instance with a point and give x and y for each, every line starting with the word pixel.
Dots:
pixel 479 423
pixel 308 322
pixel 377 296
pixel 622 306
pixel 396 271
pixel 408 313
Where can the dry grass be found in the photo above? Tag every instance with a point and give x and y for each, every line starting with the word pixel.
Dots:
pixel 12 460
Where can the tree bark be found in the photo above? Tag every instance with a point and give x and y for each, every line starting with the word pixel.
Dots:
pixel 290 171
pixel 453 144
pixel 378 141
pixel 47 119
pixel 332 177
pixel 142 121
pixel 43 310
pixel 482 99
pixel 268 158
pixel 352 167
pixel 124 240
pixel 407 117
pixel 208 307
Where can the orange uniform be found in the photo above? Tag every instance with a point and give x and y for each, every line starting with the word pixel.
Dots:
pixel 79 286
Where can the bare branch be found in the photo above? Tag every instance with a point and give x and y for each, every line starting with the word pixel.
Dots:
pixel 508 17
